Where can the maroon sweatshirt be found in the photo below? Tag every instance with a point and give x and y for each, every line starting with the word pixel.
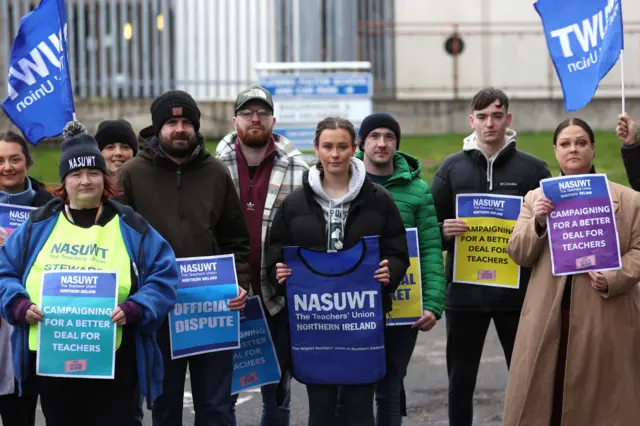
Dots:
pixel 254 185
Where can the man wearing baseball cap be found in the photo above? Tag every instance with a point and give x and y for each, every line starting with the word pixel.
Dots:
pixel 188 196
pixel 265 167
pixel 399 173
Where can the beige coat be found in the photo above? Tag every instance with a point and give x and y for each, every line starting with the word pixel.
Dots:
pixel 602 378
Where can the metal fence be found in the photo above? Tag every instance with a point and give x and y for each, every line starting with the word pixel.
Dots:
pixel 137 49
pixel 133 49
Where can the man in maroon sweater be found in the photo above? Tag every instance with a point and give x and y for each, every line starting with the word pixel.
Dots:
pixel 265 168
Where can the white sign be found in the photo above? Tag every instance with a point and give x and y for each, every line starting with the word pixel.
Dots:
pixel 302 100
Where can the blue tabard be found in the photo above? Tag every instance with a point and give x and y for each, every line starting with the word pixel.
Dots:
pixel 335 315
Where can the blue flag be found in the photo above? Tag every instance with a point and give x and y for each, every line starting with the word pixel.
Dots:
pixel 40 100
pixel 584 38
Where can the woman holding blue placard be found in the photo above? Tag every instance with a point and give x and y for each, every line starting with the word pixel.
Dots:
pixel 82 229
pixel 335 209
pixel 16 188
pixel 575 360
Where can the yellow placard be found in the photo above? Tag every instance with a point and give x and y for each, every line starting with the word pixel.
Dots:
pixel 481 256
pixel 407 299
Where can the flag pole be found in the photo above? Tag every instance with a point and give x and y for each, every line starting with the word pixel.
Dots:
pixel 622 78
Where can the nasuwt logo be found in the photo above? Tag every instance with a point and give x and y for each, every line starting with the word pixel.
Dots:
pixel 79 250
pixel 34 71
pixel 81 162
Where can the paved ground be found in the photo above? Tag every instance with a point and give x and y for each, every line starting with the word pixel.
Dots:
pixel 426 386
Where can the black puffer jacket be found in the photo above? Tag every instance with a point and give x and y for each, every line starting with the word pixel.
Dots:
pixel 513 173
pixel 300 222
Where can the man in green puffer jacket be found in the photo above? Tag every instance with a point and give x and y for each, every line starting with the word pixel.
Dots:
pixel 399 173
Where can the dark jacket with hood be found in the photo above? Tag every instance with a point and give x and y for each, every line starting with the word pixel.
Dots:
pixel 631 159
pixel 193 205
pixel 42 196
pixel 508 172
pixel 301 221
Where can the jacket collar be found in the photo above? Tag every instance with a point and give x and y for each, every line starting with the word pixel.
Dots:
pixel 126 213
pixel 470 145
pixel 367 188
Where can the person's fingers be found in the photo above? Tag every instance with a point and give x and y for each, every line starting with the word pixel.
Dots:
pixel 33 314
pixel 420 323
pixel 118 316
pixel 31 317
pixel 428 326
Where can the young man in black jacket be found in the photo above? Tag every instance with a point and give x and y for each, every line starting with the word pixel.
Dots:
pixel 489 163
pixel 627 132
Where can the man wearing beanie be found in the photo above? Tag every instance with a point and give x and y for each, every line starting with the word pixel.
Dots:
pixel 265 167
pixel 399 173
pixel 189 197
pixel 117 142
pixel 489 163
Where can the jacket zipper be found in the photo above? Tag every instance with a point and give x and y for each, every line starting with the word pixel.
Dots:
pixel 181 208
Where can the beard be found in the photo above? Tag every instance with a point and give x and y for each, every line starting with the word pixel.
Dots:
pixel 178 145
pixel 254 138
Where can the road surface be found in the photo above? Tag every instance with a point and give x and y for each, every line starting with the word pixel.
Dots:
pixel 426 386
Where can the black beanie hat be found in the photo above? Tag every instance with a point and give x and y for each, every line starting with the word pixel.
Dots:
pixel 79 151
pixel 110 131
pixel 174 103
pixel 375 121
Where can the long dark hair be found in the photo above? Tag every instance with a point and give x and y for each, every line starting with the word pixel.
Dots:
pixel 333 123
pixel 574 121
pixel 13 137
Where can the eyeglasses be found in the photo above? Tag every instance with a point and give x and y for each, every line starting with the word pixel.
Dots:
pixel 247 114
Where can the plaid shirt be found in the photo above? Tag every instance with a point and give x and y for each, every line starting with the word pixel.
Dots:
pixel 288 169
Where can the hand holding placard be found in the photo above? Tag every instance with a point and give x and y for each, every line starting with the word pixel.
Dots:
pixel 454 227
pixel 541 209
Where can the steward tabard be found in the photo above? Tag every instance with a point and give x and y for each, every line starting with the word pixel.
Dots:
pixel 335 315
pixel 72 248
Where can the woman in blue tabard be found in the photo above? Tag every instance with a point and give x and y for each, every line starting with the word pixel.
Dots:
pixel 83 214
pixel 18 189
pixel 334 210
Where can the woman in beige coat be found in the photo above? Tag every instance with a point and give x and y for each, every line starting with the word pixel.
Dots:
pixel 576 360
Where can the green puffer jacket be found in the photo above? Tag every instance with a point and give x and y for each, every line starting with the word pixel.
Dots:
pixel 414 200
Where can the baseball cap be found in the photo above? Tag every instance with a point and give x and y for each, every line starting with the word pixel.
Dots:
pixel 253 93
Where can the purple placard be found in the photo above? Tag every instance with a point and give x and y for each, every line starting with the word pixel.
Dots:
pixel 582 226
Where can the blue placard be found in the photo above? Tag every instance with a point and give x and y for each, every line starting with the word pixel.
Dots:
pixel 582 226
pixel 319 85
pixel 77 337
pixel 12 216
pixel 255 363
pixel 201 321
